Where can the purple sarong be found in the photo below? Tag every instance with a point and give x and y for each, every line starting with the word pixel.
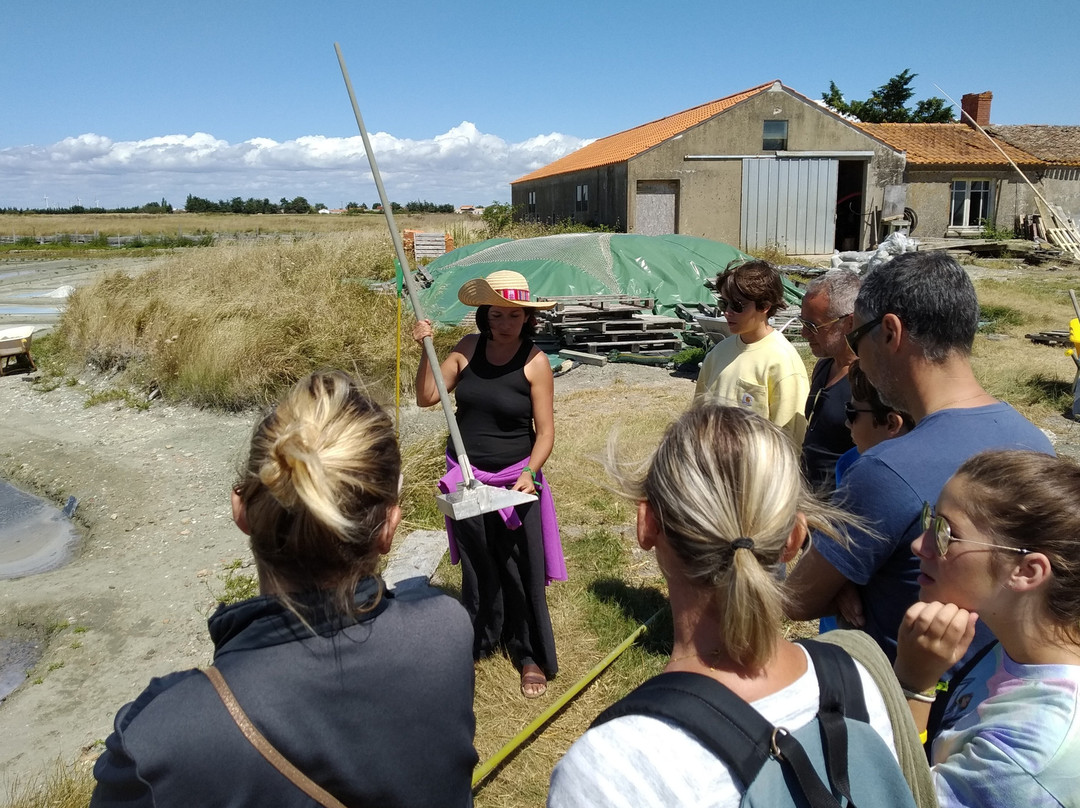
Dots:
pixel 554 562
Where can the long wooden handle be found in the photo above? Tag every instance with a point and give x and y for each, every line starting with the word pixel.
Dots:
pixel 399 248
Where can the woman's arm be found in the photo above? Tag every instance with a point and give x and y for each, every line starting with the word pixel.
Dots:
pixel 932 638
pixel 542 392
pixel 427 393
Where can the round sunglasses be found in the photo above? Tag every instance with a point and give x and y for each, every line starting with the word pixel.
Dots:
pixel 943 535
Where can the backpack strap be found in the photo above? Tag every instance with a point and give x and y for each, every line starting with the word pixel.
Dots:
pixel 725 725
pixel 841 697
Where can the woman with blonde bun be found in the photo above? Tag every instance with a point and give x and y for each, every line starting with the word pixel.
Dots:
pixel 346 681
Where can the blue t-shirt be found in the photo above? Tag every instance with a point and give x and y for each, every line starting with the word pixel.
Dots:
pixel 887 486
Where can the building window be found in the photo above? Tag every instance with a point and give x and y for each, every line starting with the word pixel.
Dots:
pixel 532 202
pixel 774 136
pixel 582 199
pixel 970 203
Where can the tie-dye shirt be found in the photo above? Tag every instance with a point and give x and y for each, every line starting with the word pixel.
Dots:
pixel 1020 747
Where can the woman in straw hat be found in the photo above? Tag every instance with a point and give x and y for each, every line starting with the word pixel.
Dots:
pixel 504 389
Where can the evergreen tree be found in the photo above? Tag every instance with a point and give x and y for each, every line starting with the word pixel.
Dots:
pixel 888 103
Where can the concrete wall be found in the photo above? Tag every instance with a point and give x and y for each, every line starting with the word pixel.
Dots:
pixel 710 191
pixel 930 196
pixel 1061 187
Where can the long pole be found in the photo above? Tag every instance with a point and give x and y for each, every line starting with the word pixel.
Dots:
pixel 399 248
pixel 493 762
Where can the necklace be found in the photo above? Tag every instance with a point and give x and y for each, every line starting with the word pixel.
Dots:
pixel 699 657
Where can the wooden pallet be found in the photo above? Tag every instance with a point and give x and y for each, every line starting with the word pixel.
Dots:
pixel 1053 338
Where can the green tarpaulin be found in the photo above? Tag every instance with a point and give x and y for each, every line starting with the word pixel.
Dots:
pixel 670 269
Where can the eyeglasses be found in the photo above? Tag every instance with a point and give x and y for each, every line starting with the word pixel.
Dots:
pixel 851 412
pixel 736 306
pixel 813 328
pixel 943 534
pixel 853 337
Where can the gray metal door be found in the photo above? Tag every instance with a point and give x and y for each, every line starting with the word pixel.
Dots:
pixel 654 205
pixel 789 203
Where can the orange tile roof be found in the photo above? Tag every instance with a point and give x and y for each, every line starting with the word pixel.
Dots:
pixel 952 144
pixel 621 146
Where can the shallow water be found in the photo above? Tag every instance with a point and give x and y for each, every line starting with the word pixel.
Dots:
pixel 24 310
pixel 16 658
pixel 34 535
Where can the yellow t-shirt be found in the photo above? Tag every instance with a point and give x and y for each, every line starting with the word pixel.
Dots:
pixel 767 376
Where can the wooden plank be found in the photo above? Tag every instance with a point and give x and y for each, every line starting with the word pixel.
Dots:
pixel 584 358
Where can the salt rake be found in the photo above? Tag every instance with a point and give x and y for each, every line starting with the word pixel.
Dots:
pixel 473 497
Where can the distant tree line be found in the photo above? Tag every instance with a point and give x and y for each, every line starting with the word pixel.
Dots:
pixel 196 204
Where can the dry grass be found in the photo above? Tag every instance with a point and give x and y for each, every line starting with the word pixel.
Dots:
pixel 189 224
pixel 1035 379
pixel 235 326
pixel 61 786
pixel 609 593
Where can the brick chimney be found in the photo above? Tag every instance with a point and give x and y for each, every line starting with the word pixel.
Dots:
pixel 977 105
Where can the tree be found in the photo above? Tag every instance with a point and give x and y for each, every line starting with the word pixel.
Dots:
pixel 888 103
pixel 497 216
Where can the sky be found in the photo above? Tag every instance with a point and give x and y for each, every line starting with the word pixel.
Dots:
pixel 123 103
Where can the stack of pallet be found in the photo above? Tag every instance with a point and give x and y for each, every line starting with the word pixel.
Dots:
pixel 426 245
pixel 600 324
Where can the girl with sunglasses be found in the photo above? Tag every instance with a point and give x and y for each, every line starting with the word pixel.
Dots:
pixel 1000 546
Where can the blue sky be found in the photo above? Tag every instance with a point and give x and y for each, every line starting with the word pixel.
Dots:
pixel 125 102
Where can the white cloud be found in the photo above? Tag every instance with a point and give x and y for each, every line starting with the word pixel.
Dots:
pixel 461 166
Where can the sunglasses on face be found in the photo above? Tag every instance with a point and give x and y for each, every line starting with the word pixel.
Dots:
pixel 943 535
pixel 736 306
pixel 813 328
pixel 853 337
pixel 852 412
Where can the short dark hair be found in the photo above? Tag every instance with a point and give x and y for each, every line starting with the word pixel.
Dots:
pixel 863 390
pixel 528 331
pixel 758 281
pixel 933 297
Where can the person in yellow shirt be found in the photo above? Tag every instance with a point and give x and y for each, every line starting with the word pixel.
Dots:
pixel 756 367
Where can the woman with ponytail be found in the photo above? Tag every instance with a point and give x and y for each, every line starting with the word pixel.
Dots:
pixel 341 682
pixel 723 505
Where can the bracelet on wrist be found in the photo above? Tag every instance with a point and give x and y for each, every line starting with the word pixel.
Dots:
pixel 530 472
pixel 928 696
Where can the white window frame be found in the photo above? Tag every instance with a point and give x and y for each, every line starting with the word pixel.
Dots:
pixel 962 194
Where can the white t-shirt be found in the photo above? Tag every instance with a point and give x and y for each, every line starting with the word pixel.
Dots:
pixel 643 762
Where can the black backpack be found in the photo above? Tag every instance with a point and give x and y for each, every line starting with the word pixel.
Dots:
pixel 810 767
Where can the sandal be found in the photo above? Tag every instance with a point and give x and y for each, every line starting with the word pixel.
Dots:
pixel 533 681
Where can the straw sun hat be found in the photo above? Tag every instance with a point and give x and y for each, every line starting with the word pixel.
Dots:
pixel 502 288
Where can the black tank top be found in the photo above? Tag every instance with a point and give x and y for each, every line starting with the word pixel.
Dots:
pixel 494 409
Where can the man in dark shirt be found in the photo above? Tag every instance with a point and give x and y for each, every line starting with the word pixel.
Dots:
pixel 826 317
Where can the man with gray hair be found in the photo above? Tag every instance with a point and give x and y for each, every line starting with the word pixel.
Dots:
pixel 827 311
pixel 914 326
